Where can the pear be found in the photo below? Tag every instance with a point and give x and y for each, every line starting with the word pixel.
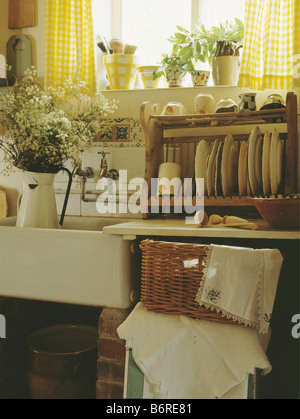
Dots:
pixel 215 219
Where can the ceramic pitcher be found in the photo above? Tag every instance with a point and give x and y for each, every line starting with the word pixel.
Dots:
pixel 38 204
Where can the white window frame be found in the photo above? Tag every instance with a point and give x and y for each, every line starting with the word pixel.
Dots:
pixel 116 18
pixel 196 12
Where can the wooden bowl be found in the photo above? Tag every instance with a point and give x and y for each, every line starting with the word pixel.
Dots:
pixel 280 213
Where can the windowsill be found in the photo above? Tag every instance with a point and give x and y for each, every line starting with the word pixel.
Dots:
pixel 130 101
pixel 161 89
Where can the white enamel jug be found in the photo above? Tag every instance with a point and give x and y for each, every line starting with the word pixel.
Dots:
pixel 38 204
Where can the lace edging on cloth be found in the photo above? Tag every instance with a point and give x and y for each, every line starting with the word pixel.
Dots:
pixel 206 263
pixel 261 324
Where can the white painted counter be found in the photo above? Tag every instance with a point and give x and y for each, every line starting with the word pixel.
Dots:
pixel 178 228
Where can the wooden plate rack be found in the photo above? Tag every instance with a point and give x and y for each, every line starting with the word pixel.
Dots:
pixel 175 138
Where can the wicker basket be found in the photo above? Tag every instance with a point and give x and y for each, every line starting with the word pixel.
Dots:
pixel 171 275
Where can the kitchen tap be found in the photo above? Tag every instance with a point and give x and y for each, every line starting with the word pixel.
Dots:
pixel 104 172
pixel 87 172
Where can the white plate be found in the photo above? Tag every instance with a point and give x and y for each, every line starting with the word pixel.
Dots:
pixel 266 164
pixel 211 169
pixel 279 161
pixel 229 166
pixel 276 154
pixel 243 169
pixel 218 172
pixel 258 163
pixel 255 161
pixel 201 160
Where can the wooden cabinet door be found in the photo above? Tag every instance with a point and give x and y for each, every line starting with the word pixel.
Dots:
pixel 21 14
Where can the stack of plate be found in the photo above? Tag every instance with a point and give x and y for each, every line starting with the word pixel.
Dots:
pixel 243 179
pixel 229 167
pixel 255 169
pixel 265 162
pixel 217 163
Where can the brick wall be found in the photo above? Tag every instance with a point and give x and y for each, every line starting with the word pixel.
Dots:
pixel 111 355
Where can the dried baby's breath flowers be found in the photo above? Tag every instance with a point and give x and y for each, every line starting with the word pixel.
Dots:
pixel 43 130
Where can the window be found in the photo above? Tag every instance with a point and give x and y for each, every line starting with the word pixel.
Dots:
pixel 212 12
pixel 149 23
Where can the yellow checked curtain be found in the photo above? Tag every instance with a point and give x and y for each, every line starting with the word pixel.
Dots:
pixel 271 43
pixel 69 42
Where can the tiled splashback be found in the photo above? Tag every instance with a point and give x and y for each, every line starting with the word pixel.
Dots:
pixel 121 132
pixel 123 142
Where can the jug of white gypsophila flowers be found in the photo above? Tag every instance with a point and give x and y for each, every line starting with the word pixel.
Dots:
pixel 42 131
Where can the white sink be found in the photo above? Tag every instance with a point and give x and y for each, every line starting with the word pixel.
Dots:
pixel 76 264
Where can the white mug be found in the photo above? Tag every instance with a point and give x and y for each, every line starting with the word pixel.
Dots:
pixel 174 108
pixel 204 104
pixel 169 179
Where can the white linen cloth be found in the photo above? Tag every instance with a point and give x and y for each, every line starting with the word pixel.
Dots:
pixel 185 358
pixel 241 283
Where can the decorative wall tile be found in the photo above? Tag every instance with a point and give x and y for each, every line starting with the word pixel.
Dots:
pixel 136 131
pixel 105 134
pixel 121 132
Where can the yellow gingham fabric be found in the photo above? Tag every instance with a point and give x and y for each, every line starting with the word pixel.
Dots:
pixel 69 42
pixel 297 43
pixel 272 40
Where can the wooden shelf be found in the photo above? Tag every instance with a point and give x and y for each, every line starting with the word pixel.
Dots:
pixel 219 119
pixel 208 202
pixel 166 134
pixel 235 201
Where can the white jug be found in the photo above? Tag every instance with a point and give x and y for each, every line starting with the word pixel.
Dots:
pixel 38 204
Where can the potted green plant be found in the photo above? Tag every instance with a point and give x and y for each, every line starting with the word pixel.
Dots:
pixel 173 67
pixel 227 40
pixel 195 48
